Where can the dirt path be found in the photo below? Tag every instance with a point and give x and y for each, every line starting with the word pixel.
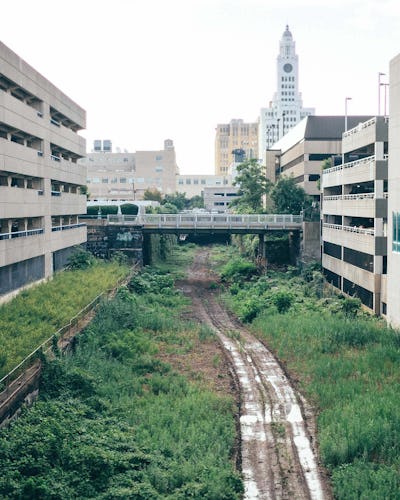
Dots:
pixel 277 458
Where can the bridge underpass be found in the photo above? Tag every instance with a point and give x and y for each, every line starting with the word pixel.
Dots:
pixel 195 225
pixel 126 232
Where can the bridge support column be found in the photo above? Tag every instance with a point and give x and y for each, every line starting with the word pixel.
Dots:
pixel 261 258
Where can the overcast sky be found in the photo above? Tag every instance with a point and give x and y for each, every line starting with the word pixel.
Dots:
pixel 148 70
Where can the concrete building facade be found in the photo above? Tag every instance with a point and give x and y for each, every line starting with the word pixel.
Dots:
pixel 286 108
pixel 393 278
pixel 40 179
pixel 126 176
pixel 218 199
pixel 235 135
pixel 301 151
pixel 194 185
pixel 354 211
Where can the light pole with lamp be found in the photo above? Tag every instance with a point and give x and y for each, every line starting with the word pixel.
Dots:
pixel 346 99
pixel 345 112
pixel 379 92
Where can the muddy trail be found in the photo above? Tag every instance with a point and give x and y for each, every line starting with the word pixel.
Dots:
pixel 278 460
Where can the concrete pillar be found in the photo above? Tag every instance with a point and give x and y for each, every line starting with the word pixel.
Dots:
pixel 379 151
pixel 378 189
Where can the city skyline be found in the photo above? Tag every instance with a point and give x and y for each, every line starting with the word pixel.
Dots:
pixel 150 71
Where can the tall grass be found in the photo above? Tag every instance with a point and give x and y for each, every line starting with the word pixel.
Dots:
pixel 348 365
pixel 35 314
pixel 114 421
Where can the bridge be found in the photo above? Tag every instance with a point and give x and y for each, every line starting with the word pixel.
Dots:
pixel 209 223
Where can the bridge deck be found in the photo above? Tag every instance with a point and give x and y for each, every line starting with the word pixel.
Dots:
pixel 222 223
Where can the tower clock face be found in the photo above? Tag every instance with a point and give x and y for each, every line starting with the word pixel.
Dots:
pixel 287 68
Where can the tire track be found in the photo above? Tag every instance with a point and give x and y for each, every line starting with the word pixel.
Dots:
pixel 276 454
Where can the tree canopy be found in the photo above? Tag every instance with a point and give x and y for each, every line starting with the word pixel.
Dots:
pixel 253 186
pixel 288 197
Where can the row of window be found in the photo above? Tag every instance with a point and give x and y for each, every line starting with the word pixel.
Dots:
pixel 287 78
pixel 203 182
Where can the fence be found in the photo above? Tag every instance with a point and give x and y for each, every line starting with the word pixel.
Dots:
pixel 60 337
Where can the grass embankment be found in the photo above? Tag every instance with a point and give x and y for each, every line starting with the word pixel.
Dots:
pixel 35 314
pixel 347 364
pixel 114 421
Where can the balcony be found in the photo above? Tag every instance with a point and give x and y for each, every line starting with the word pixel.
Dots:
pixel 67 236
pixel 67 203
pixel 20 202
pixel 21 234
pixel 353 172
pixel 355 205
pixel 21 245
pixel 356 238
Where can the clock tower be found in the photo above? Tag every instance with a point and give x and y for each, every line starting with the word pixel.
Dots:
pixel 286 108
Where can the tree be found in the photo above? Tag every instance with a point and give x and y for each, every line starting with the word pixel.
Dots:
pixel 196 201
pixel 177 199
pixel 253 186
pixel 152 195
pixel 289 198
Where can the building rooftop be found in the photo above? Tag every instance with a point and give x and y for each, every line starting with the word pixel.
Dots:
pixel 318 128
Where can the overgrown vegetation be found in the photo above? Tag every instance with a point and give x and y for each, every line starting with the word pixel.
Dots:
pixel 115 422
pixel 348 365
pixel 35 314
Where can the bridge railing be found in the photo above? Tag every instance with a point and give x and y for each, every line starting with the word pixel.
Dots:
pixel 208 220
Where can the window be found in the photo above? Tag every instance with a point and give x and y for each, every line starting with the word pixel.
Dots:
pixel 396 232
pixel 332 250
pixel 122 180
pixel 188 181
pixel 158 158
pixel 359 259
pixel 104 180
pixel 159 169
pixel 180 181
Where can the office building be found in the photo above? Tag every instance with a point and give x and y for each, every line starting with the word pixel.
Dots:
pixel 194 185
pixel 286 108
pixel 232 140
pixel 126 176
pixel 40 179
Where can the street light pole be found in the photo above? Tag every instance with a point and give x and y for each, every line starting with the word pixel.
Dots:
pixel 345 112
pixel 379 92
pixel 346 99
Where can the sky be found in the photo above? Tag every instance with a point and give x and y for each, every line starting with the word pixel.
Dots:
pixel 150 70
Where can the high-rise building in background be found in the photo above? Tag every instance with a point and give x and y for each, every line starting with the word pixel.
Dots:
pixel 233 140
pixel 286 108
pixel 40 180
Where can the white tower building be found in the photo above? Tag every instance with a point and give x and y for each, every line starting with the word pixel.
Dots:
pixel 286 108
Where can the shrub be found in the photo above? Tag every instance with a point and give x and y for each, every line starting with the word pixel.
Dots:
pixel 80 259
pixel 282 300
pixel 238 268
pixel 351 306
